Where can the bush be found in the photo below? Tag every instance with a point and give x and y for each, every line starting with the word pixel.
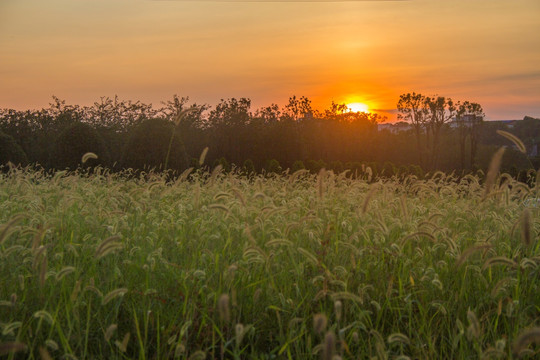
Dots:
pixel 273 167
pixel 388 170
pixel 225 164
pixel 298 165
pixel 337 167
pixel 75 141
pixel 374 168
pixel 249 167
pixel 402 170
pixel 11 151
pixel 315 166
pixel 148 145
pixel 417 171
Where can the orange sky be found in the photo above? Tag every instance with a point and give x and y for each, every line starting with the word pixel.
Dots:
pixel 346 51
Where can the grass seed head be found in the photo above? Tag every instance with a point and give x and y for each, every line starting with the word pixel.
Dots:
pixel 122 346
pixel 398 338
pixel 367 199
pixel 320 182
pixel 44 315
pixel 6 228
pixel 468 252
pixel 319 323
pixel 43 271
pixel 223 308
pixel 526 338
pixel 107 246
pixel 51 344
pixel 203 156
pixel 329 346
pixel 12 347
pixel 494 167
pixel 110 331
pixel 473 331
pixel 517 141
pixel 44 353
pixel 338 308
pixel 88 156
pixel 239 333
pixel 198 355
pixel 526 227
pixel 113 294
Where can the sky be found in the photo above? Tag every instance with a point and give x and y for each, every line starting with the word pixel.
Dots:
pixel 342 51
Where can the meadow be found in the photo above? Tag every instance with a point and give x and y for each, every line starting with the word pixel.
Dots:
pixel 216 265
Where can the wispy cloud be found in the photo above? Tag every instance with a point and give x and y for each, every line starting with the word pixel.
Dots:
pixel 530 75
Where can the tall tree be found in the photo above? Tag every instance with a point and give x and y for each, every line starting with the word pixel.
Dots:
pixel 229 121
pixel 298 108
pixel 413 109
pixel 441 110
pixel 469 117
pixel 268 114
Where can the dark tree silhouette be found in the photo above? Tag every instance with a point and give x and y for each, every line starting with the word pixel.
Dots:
pixel 413 109
pixel 75 141
pixel 149 144
pixel 10 151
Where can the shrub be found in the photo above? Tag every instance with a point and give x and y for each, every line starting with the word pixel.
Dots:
pixel 224 164
pixel 417 171
pixel 374 168
pixel 75 141
pixel 273 166
pixel 249 167
pixel 315 166
pixel 11 151
pixel 388 170
pixel 403 170
pixel 194 163
pixel 148 145
pixel 337 166
pixel 298 165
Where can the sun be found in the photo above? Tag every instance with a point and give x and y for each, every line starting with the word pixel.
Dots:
pixel 358 107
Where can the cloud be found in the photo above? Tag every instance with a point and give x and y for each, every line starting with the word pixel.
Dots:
pixel 529 75
pixel 390 111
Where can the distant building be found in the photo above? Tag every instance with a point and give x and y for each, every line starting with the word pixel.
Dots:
pixel 395 128
pixel 509 123
pixel 467 120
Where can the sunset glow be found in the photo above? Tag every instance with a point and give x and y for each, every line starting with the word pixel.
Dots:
pixel 267 51
pixel 358 107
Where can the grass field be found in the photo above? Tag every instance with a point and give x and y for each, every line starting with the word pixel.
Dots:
pixel 291 266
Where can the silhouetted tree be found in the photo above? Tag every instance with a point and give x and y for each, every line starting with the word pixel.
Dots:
pixel 228 122
pixel 298 108
pixel 441 111
pixel 75 141
pixel 469 117
pixel 10 151
pixel 413 109
pixel 148 146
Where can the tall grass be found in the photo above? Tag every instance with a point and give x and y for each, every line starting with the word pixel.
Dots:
pixel 285 266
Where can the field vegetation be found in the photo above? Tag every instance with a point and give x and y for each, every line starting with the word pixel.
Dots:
pixel 216 265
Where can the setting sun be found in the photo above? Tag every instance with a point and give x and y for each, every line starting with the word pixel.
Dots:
pixel 358 107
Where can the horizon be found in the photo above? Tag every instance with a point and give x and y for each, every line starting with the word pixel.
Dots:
pixel 366 52
pixel 388 120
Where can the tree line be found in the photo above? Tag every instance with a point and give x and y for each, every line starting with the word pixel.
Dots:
pixel 128 134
